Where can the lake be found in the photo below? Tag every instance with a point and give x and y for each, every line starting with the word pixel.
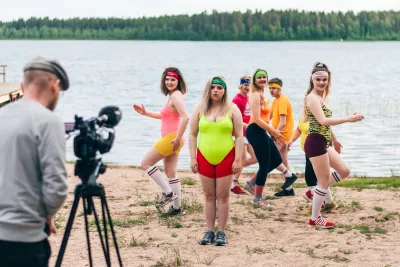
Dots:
pixel 365 79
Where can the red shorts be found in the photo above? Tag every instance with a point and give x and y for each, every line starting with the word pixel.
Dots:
pixel 224 168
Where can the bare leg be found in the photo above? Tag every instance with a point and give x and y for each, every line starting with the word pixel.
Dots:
pixel 152 157
pixel 209 191
pixel 252 160
pixel 222 192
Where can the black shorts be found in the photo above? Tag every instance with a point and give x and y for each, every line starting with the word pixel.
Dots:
pixel 315 145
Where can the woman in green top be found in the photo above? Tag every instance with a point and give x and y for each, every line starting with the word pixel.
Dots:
pixel 316 146
pixel 216 157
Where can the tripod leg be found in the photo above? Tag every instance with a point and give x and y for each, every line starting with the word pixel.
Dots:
pixel 104 200
pixel 106 249
pixel 87 231
pixel 68 229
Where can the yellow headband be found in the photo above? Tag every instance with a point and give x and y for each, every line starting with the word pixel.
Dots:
pixel 275 85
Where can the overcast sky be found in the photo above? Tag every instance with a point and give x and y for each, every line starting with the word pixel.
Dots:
pixel 14 9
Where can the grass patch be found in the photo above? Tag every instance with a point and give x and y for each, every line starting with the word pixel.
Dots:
pixel 258 215
pixel 237 220
pixel 138 243
pixel 192 205
pixel 188 181
pixel 127 223
pixel 356 204
pixel 387 217
pixel 171 261
pixel 256 250
pixel 145 203
pixel 379 209
pixel 337 258
pixel 171 221
pixel 364 229
pixel 384 183
pixel 371 183
pixel 277 186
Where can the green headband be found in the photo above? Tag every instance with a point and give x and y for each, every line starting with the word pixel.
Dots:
pixel 261 73
pixel 218 80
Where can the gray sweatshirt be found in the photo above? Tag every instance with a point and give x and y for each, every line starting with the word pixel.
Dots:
pixel 33 183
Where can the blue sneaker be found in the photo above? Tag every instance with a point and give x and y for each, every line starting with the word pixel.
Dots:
pixel 221 239
pixel 208 238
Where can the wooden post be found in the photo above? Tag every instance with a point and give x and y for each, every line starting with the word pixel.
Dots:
pixel 4 72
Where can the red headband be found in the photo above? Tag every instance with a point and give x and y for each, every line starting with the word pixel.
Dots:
pixel 172 74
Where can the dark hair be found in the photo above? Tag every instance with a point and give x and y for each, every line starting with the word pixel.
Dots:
pixel 276 80
pixel 181 82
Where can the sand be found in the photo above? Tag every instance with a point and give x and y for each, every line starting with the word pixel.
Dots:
pixel 255 237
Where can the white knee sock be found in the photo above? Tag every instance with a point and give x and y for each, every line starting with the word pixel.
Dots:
pixel 318 199
pixel 334 176
pixel 328 197
pixel 157 176
pixel 175 185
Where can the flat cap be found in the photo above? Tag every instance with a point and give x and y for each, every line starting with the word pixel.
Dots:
pixel 49 65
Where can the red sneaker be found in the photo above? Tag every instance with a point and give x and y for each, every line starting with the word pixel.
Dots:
pixel 321 223
pixel 238 190
pixel 308 196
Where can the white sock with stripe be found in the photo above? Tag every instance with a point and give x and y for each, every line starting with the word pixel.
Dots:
pixel 175 185
pixel 318 199
pixel 287 173
pixel 334 176
pixel 157 176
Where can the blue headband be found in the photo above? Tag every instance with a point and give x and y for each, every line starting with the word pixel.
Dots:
pixel 244 81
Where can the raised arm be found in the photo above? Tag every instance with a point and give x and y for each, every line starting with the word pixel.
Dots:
pixel 314 104
pixel 194 131
pixel 141 110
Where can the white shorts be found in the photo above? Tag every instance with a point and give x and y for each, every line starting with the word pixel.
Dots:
pixel 245 141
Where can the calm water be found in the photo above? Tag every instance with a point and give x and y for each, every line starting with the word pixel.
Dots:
pixel 366 78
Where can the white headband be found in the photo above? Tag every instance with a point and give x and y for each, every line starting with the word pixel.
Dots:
pixel 319 74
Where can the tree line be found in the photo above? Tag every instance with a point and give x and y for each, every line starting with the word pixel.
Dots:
pixel 272 25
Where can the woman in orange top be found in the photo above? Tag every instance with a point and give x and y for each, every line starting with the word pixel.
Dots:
pixel 264 147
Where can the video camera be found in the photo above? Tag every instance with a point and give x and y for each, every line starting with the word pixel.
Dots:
pixel 89 141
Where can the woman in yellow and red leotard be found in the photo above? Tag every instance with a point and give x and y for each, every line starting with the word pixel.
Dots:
pixel 216 157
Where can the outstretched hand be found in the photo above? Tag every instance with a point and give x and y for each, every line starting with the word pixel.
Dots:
pixel 140 109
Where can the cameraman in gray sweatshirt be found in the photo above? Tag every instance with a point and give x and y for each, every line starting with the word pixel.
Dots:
pixel 33 183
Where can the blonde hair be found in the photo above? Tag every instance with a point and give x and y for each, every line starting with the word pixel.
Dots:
pixel 242 78
pixel 317 67
pixel 255 88
pixel 181 82
pixel 206 98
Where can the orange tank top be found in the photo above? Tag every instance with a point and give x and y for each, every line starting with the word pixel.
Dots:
pixel 264 112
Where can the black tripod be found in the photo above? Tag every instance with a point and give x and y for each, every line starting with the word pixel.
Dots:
pixel 88 171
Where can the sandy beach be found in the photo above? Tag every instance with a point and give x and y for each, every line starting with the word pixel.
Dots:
pixel 367 232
